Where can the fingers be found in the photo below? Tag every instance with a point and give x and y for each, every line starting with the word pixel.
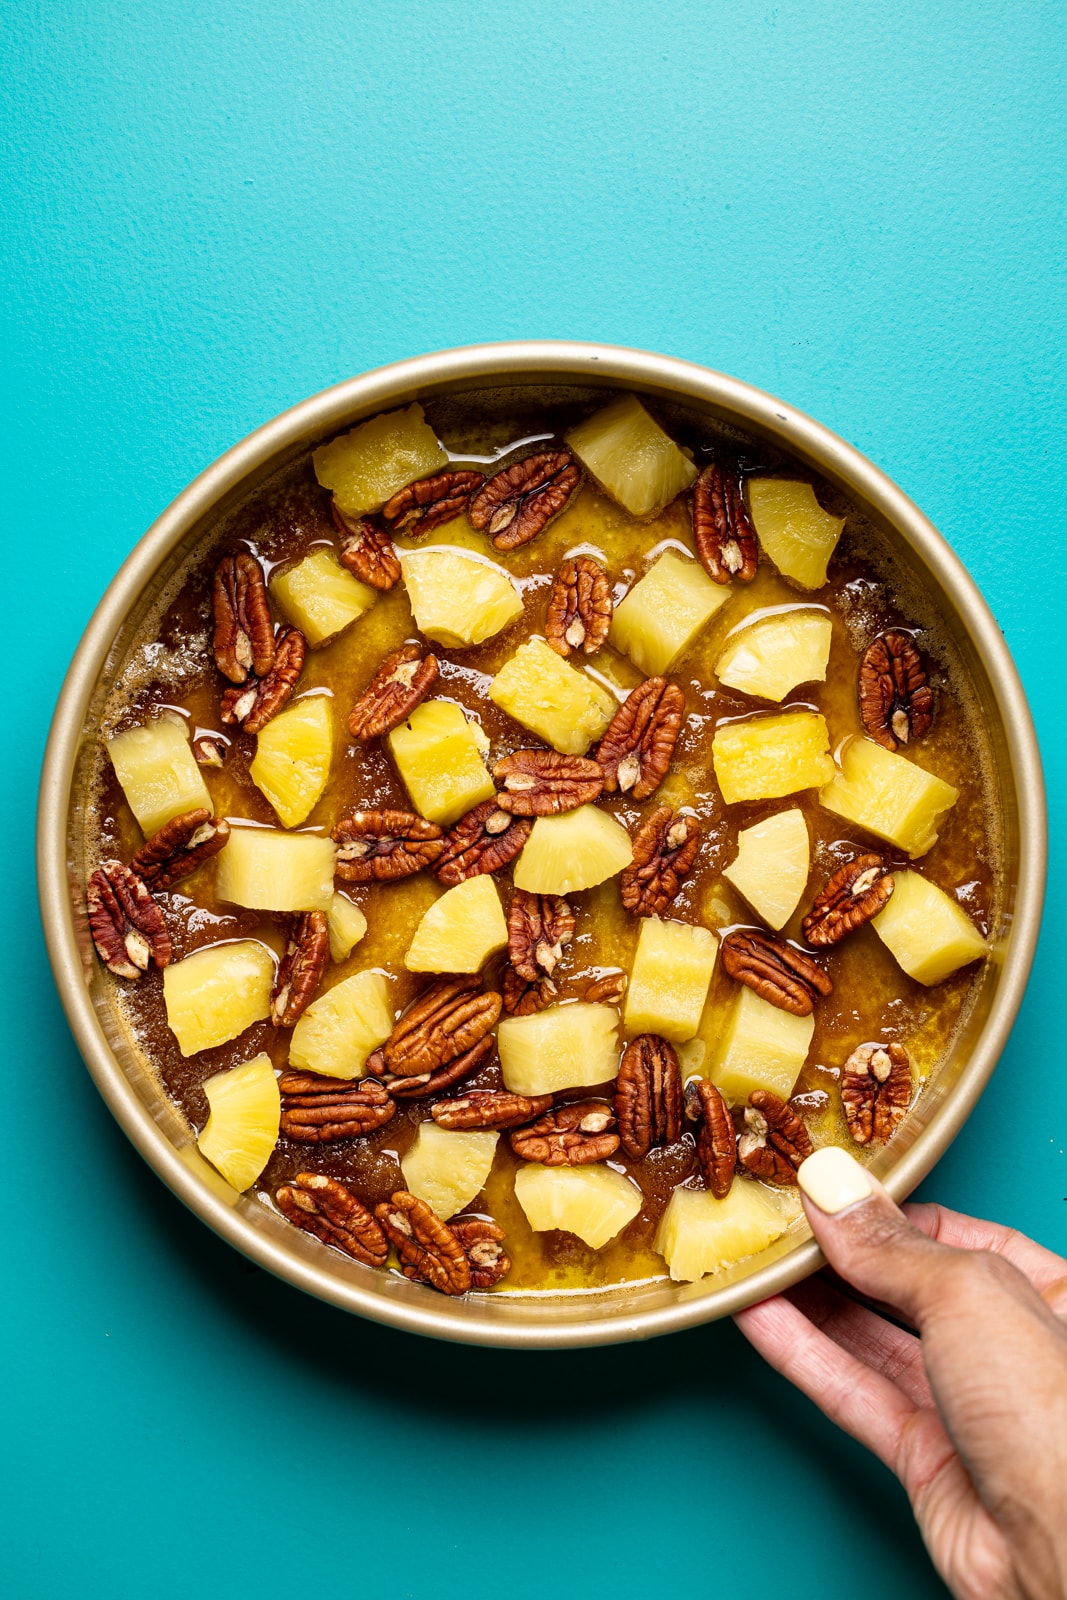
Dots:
pixel 1046 1271
pixel 887 1349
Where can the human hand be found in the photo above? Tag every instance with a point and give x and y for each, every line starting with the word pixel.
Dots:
pixel 971 1414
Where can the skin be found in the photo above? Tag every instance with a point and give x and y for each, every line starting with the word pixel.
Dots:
pixel 969 1412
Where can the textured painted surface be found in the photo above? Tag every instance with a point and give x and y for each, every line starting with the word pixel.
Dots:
pixel 213 210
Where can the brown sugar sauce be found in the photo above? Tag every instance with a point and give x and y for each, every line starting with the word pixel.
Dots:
pixel 872 998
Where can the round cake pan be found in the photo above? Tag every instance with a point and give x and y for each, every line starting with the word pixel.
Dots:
pixel 634 1311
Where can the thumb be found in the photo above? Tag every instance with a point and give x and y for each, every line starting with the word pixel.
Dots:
pixel 866 1238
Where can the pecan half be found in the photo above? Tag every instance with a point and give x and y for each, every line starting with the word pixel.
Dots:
pixel 519 501
pixel 648 1095
pixel 539 925
pixel 484 840
pixel 244 634
pixel 482 1242
pixel 253 703
pixel 636 750
pixel 402 682
pixel 179 847
pixel 607 990
pixel 300 970
pixel 489 1108
pixel 852 896
pixel 208 752
pixel 376 846
pixel 775 1140
pixel 542 783
pixel 896 701
pixel 876 1090
pixel 367 550
pixel 715 1136
pixel 524 996
pixel 325 1208
pixel 427 504
pixel 320 1110
pixel 428 1249
pixel 126 923
pixel 777 971
pixel 570 1136
pixel 579 607
pixel 445 1021
pixel 418 1085
pixel 722 529
pixel 665 848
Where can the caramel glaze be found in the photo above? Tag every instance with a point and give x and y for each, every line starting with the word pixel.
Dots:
pixel 872 998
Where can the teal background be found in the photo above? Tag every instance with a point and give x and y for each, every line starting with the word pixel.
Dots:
pixel 215 208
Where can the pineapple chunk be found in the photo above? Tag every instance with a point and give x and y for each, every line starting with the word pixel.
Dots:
pixel 794 530
pixel 772 866
pixel 293 755
pixel 458 599
pixel 447 1169
pixel 664 611
pixel 593 1202
pixel 700 1234
pixel 269 870
pixel 576 850
pixel 562 705
pixel 889 796
pixel 438 754
pixel 768 757
pixel 158 772
pixel 459 932
pixel 366 466
pixel 563 1047
pixel 772 656
pixel 669 982
pixel 347 925
pixel 760 1047
pixel 631 457
pixel 242 1129
pixel 216 993
pixel 320 598
pixel 339 1030
pixel 926 930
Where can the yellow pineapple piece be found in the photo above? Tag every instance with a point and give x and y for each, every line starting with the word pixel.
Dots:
pixel 576 850
pixel 927 931
pixel 269 870
pixel 794 530
pixel 438 754
pixel 447 1170
pixel 339 1030
pixel 771 656
pixel 664 611
pixel 889 796
pixel 216 993
pixel 560 703
pixel 767 757
pixel 320 597
pixel 631 457
pixel 368 465
pixel 458 599
pixel 563 1047
pixel 293 754
pixel 772 865
pixel 459 932
pixel 593 1202
pixel 347 925
pixel 158 772
pixel 669 982
pixel 758 1047
pixel 242 1129
pixel 699 1234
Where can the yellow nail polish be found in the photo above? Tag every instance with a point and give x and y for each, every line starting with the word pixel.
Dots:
pixel 834 1180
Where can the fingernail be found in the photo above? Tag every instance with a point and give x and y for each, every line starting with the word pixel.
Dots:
pixel 833 1180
